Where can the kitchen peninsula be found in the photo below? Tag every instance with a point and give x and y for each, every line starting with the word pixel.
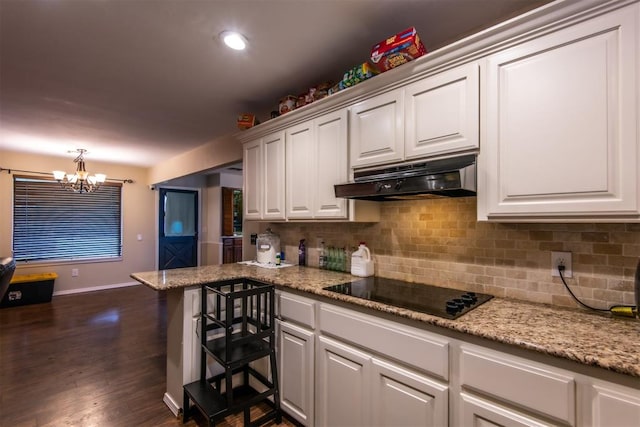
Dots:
pixel 594 356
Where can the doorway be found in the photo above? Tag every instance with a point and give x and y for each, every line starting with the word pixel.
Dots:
pixel 178 229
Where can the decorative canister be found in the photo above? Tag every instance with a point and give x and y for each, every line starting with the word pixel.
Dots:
pixel 288 103
pixel 268 247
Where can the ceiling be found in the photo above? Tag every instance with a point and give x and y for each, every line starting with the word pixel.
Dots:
pixel 140 81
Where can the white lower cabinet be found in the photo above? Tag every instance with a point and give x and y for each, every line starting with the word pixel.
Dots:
pixel 341 367
pixel 519 383
pixel 372 371
pixel 610 405
pixel 356 388
pixel 343 378
pixel 482 413
pixel 296 346
pixel 402 397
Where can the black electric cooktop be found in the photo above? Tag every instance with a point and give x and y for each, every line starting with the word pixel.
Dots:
pixel 434 300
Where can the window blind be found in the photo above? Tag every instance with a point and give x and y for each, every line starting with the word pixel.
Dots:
pixel 51 223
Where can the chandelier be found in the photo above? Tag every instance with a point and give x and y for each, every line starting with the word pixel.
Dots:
pixel 80 181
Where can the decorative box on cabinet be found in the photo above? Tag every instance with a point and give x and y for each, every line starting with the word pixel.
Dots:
pixel 561 124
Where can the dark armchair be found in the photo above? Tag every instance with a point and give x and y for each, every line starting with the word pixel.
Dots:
pixel 7 267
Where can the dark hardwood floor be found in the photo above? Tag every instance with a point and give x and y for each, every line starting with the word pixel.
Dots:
pixel 92 359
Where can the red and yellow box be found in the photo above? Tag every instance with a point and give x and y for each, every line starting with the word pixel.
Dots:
pixel 397 50
pixel 246 121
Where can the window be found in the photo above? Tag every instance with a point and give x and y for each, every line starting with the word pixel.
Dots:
pixel 51 223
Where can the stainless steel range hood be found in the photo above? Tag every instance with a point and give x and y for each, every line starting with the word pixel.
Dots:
pixel 451 177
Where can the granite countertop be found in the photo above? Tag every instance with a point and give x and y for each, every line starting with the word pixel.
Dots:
pixel 592 339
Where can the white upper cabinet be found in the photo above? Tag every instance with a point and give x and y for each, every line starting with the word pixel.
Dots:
pixel 316 153
pixel 252 175
pixel 434 116
pixel 376 133
pixel 300 170
pixel 442 113
pixel 274 161
pixel 263 175
pixel 561 124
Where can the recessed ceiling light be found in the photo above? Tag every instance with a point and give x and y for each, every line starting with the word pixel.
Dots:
pixel 234 40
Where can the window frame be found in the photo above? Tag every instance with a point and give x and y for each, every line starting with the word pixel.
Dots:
pixel 56 187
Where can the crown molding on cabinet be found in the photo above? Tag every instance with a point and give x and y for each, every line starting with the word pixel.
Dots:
pixel 524 27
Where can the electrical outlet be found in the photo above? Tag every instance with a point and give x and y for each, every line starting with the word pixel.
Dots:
pixel 561 258
pixel 75 272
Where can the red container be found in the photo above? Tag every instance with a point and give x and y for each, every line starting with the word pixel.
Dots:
pixel 397 50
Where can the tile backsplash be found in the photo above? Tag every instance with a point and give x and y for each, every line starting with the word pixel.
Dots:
pixel 440 242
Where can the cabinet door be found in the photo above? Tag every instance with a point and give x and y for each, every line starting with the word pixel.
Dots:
pixel 482 413
pixel 273 176
pixel 296 370
pixel 561 124
pixel 442 113
pixel 376 133
pixel 301 170
pixel 342 384
pixel 331 156
pixel 227 251
pixel 237 249
pixel 252 165
pixel 405 398
pixel 613 406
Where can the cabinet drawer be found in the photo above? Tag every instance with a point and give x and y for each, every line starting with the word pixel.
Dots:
pixel 412 346
pixel 479 412
pixel 519 382
pixel 298 309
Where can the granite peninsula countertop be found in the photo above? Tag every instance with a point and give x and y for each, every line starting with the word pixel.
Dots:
pixel 598 340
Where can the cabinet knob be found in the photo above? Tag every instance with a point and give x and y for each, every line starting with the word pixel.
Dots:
pixel 380 187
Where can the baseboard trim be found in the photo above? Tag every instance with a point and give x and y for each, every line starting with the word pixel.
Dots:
pixel 171 404
pixel 95 288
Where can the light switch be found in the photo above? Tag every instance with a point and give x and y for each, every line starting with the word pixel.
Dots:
pixel 139 237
